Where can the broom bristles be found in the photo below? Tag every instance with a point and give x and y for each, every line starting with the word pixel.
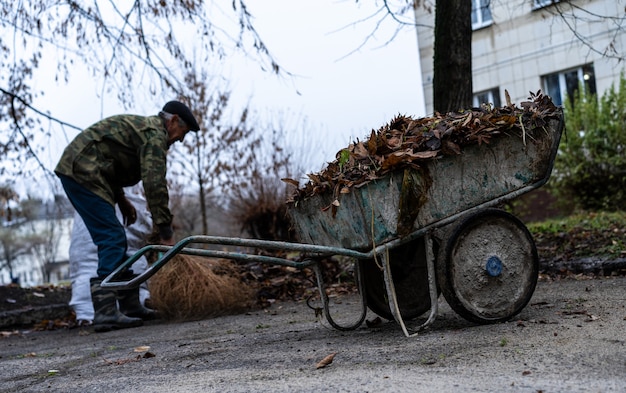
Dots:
pixel 187 288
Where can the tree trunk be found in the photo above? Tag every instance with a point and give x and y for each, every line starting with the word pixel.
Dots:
pixel 452 79
pixel 203 209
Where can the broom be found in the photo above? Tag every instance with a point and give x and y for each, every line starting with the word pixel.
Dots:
pixel 190 288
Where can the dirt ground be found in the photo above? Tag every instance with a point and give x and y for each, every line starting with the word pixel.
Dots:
pixel 570 338
pixel 30 306
pixel 16 298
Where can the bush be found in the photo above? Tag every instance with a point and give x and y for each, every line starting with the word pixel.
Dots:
pixel 590 168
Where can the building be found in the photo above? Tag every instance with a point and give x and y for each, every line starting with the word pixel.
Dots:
pixel 524 46
pixel 47 261
pixel 38 246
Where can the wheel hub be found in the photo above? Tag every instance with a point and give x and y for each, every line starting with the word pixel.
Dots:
pixel 494 266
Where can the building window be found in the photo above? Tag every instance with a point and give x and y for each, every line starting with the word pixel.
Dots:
pixel 481 14
pixel 565 84
pixel 487 97
pixel 543 3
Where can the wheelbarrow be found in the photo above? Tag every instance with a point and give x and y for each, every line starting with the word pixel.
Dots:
pixel 458 243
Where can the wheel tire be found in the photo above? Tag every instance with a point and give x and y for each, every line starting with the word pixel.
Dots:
pixel 488 267
pixel 410 277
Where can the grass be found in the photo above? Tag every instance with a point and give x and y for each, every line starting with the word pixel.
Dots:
pixel 581 235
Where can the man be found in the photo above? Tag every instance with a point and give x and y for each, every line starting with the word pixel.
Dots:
pixel 84 255
pixel 113 153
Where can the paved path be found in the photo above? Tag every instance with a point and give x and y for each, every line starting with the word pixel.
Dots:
pixel 570 338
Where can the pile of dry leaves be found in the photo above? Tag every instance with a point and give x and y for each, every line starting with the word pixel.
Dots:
pixel 406 142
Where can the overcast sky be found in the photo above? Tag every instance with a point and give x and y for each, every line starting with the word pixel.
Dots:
pixel 343 91
pixel 348 94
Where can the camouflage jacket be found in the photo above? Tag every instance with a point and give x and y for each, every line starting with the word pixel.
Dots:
pixel 118 152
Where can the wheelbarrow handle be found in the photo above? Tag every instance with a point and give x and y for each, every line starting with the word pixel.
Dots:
pixel 181 248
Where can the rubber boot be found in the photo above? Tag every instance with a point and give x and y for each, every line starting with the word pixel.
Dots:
pixel 106 315
pixel 130 305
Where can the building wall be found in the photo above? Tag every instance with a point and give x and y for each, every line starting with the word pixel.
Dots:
pixel 522 45
pixel 27 267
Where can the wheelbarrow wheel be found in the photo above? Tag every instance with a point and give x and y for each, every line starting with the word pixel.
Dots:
pixel 488 267
pixel 410 277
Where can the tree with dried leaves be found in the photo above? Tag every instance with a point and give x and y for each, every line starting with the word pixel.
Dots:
pixel 7 195
pixel 127 46
pixel 257 200
pixel 12 246
pixel 234 168
pixel 211 160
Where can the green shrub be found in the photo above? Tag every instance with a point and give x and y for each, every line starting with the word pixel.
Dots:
pixel 590 168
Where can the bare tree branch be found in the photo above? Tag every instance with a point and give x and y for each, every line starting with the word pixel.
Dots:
pixel 37 111
pixel 125 47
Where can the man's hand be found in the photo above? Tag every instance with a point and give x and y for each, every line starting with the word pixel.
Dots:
pixel 128 210
pixel 168 242
pixel 166 234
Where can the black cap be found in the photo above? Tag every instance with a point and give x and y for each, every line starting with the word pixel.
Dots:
pixel 180 109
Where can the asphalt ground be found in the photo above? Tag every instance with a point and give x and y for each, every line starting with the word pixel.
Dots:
pixel 570 338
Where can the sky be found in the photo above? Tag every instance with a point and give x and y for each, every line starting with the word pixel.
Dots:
pixel 343 90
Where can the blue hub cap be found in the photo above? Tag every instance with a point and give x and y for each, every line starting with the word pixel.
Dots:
pixel 494 266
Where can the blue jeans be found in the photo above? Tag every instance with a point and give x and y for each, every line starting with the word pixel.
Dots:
pixel 103 225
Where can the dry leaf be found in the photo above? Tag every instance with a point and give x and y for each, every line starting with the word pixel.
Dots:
pixel 120 362
pixel 7 333
pixel 326 361
pixel 394 142
pixel 372 143
pixel 393 160
pixel 291 181
pixel 508 98
pixel 374 322
pixel 450 147
pixel 360 151
pixel 424 154
pixel 467 120
pixel 143 348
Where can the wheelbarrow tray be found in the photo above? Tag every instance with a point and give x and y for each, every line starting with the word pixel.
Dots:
pixel 482 175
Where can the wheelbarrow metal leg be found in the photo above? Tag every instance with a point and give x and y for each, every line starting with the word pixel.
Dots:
pixel 432 287
pixel 432 281
pixel 324 297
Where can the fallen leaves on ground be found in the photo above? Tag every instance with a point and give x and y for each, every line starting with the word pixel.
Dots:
pixel 373 323
pixel 137 358
pixel 14 298
pixel 326 361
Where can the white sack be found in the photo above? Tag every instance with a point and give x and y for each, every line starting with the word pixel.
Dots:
pixel 83 254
